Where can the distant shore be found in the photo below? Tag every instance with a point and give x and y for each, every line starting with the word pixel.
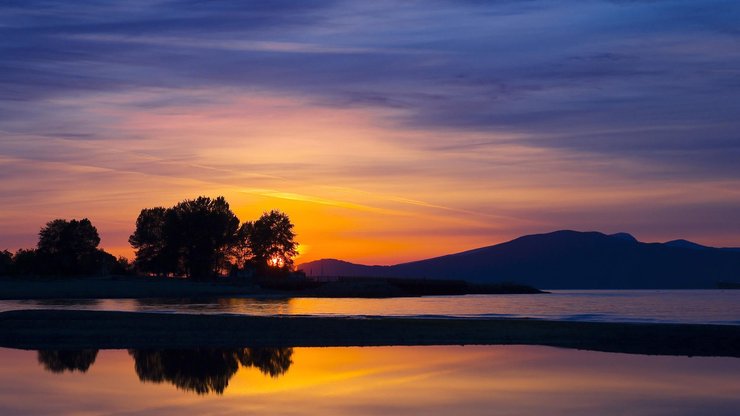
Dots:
pixel 117 287
pixel 54 329
pixel 139 287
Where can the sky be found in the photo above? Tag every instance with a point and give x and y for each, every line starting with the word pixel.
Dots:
pixel 388 131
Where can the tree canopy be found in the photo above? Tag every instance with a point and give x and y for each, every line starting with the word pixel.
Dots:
pixel 149 241
pixel 6 262
pixel 62 237
pixel 194 238
pixel 200 238
pixel 204 231
pixel 67 248
pixel 271 241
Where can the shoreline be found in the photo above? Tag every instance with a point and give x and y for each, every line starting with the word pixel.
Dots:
pixel 147 287
pixel 115 287
pixel 57 329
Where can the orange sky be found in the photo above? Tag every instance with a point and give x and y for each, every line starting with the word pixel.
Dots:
pixel 388 131
pixel 356 186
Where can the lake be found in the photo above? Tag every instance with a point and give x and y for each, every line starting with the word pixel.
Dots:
pixel 680 306
pixel 470 380
pixel 394 380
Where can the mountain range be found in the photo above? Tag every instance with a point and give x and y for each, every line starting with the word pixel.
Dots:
pixel 566 260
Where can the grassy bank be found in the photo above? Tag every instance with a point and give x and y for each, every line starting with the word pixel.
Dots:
pixel 45 329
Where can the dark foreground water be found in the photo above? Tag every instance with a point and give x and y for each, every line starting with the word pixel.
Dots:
pixel 471 380
pixel 682 306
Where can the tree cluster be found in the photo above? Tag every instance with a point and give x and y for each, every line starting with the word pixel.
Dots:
pixel 202 238
pixel 65 248
pixel 197 238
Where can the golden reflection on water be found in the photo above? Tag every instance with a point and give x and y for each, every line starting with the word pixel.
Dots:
pixel 392 380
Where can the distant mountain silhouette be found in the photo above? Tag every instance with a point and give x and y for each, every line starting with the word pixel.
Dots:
pixel 686 244
pixel 690 244
pixel 566 260
pixel 625 236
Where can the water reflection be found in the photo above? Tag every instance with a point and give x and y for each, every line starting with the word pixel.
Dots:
pixel 684 306
pixel 433 381
pixel 62 303
pixel 199 371
pixel 202 371
pixel 59 361
pixel 270 361
pixel 249 306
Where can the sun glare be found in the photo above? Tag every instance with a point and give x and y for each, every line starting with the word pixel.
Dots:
pixel 276 261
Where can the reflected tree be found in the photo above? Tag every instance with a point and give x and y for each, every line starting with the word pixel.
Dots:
pixel 205 371
pixel 201 371
pixel 270 361
pixel 59 361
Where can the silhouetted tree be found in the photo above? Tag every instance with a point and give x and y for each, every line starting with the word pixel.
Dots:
pixel 6 262
pixel 195 237
pixel 70 247
pixel 153 254
pixel 59 361
pixel 271 242
pixel 25 262
pixel 123 266
pixel 205 231
pixel 201 237
pixel 62 236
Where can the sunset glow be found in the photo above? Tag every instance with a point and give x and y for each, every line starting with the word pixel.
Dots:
pixel 380 207
pixel 412 132
pixel 276 262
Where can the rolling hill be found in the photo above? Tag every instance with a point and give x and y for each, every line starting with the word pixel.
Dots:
pixel 566 260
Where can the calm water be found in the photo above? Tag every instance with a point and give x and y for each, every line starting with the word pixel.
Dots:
pixel 468 380
pixel 686 306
